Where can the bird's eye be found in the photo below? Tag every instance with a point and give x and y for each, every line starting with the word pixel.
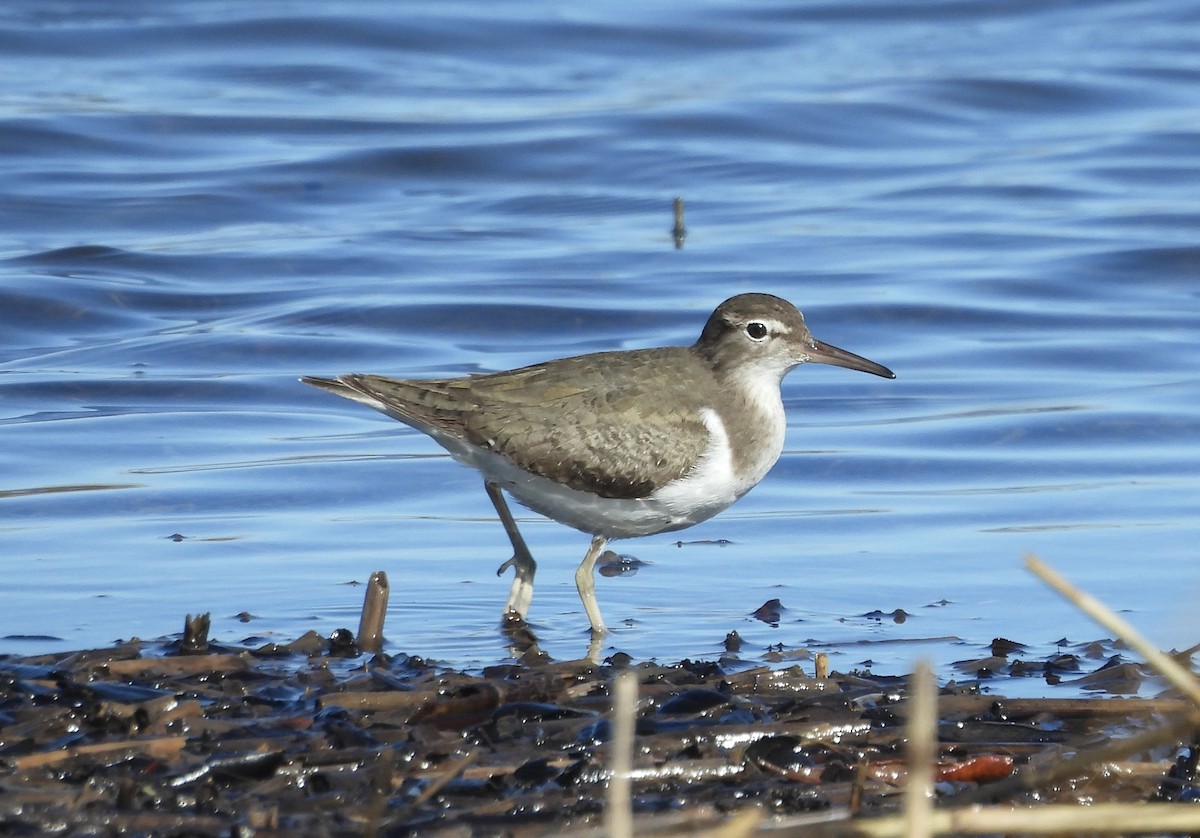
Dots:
pixel 756 330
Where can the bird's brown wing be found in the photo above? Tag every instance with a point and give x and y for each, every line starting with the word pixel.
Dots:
pixel 609 423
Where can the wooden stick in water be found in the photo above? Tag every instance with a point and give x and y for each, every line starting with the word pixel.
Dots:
pixel 375 602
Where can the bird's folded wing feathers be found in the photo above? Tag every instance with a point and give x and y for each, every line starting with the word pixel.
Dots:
pixel 588 429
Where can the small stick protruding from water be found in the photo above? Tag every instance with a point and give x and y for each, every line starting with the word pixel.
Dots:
pixel 857 787
pixel 375 602
pixel 679 232
pixel 821 665
pixel 195 635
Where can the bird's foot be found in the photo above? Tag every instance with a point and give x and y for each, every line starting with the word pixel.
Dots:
pixel 521 592
pixel 586 584
pixel 519 597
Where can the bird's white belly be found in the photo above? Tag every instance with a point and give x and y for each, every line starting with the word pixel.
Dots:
pixel 610 517
pixel 708 489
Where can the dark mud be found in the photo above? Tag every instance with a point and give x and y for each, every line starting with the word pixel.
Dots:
pixel 309 739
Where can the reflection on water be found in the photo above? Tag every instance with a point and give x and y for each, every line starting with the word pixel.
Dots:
pixel 996 201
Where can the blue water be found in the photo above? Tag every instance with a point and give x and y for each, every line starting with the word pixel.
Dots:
pixel 202 201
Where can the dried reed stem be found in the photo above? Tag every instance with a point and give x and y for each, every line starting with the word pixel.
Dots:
pixel 618 813
pixel 1178 677
pixel 921 730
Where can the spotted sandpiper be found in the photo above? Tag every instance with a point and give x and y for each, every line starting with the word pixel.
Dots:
pixel 618 444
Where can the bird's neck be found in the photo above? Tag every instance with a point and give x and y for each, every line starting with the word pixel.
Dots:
pixel 755 421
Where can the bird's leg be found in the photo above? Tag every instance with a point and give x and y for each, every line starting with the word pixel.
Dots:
pixel 585 581
pixel 521 593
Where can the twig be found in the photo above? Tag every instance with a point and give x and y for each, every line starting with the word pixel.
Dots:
pixel 195 635
pixel 177 667
pixel 1179 677
pixel 618 813
pixel 375 603
pixel 381 790
pixel 1099 818
pixel 162 747
pixel 449 773
pixel 380 701
pixel 922 752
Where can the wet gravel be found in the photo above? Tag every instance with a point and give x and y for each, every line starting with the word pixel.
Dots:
pixel 312 738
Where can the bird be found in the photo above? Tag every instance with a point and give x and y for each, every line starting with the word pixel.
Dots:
pixel 618 444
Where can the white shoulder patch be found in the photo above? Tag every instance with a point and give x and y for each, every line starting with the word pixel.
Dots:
pixel 710 486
